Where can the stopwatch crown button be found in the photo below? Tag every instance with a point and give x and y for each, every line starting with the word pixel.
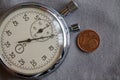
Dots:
pixel 69 8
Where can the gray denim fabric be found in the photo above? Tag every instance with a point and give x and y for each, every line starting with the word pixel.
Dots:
pixel 103 16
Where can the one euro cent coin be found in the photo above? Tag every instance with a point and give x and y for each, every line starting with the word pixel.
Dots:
pixel 88 41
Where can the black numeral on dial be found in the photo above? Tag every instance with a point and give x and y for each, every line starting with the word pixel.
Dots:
pixel 44 57
pixel 12 55
pixel 15 23
pixel 7 44
pixel 33 63
pixel 25 17
pixel 51 48
pixel 8 32
pixel 21 61
pixel 37 17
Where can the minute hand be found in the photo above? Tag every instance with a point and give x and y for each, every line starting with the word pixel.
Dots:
pixel 29 40
pixel 41 30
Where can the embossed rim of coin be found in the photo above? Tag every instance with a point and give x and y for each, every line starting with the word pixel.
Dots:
pixel 78 41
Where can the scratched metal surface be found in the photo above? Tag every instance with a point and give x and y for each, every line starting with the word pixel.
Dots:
pixel 103 16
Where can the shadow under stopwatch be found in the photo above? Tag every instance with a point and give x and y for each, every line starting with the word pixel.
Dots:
pixel 4 75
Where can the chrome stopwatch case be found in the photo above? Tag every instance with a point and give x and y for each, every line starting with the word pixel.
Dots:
pixel 34 39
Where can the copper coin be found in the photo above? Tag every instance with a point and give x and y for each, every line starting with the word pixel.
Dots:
pixel 88 41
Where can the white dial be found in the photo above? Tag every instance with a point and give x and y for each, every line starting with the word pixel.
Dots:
pixel 30 40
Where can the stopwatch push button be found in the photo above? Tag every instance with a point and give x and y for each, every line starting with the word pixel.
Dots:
pixel 75 27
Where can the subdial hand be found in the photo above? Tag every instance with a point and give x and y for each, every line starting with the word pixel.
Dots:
pixel 29 40
pixel 41 30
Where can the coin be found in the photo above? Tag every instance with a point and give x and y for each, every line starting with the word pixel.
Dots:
pixel 88 41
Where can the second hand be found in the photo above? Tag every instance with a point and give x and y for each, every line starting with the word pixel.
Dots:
pixel 29 40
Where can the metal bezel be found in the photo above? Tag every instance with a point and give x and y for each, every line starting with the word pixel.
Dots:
pixel 65 31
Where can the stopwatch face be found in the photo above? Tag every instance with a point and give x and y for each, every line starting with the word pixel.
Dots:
pixel 31 40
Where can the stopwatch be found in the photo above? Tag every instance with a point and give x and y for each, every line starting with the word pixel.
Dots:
pixel 34 39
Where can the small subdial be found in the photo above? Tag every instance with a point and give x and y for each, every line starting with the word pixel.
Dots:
pixel 41 28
